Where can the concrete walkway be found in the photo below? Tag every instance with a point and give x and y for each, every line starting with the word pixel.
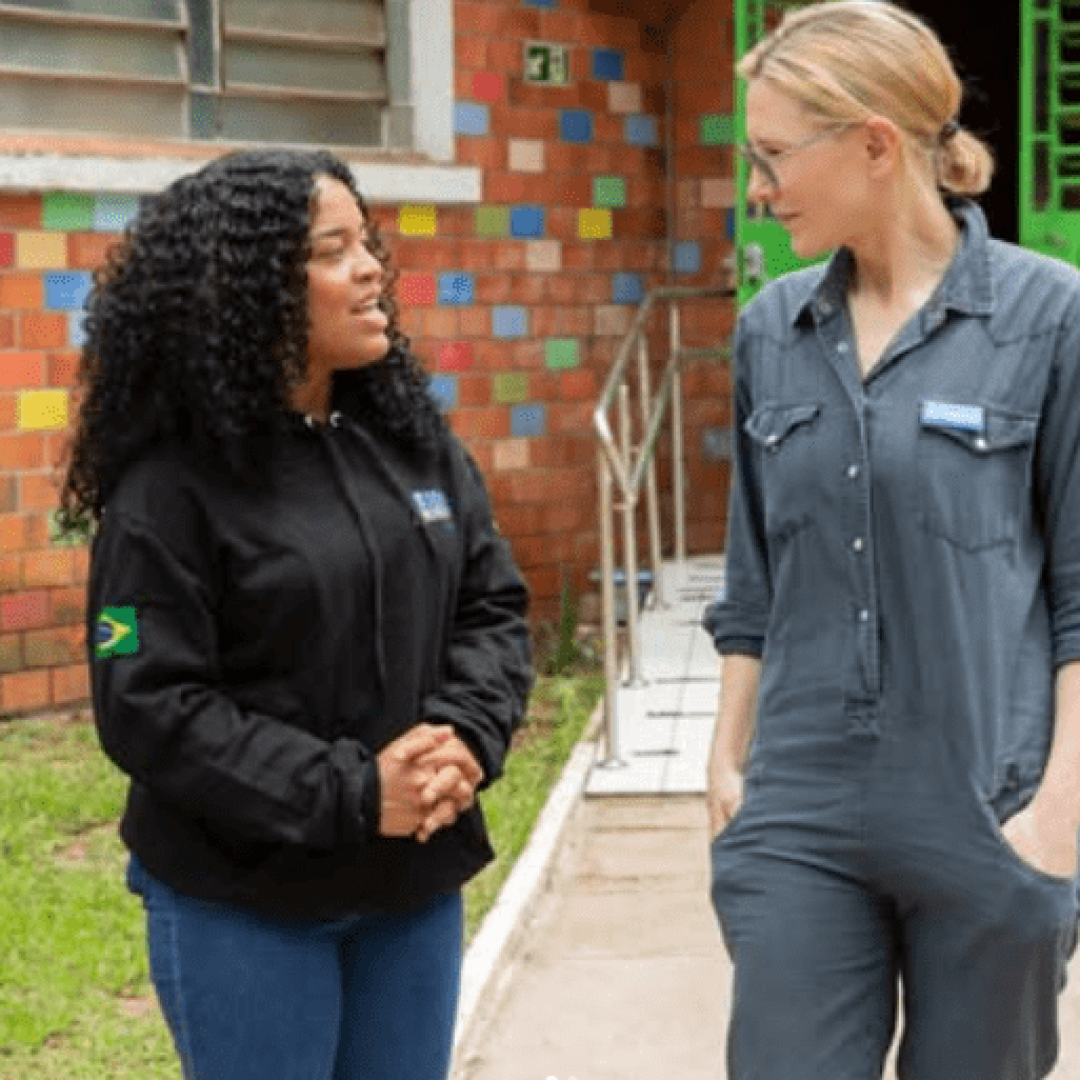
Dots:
pixel 618 970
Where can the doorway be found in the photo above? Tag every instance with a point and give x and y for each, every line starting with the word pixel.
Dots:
pixel 987 57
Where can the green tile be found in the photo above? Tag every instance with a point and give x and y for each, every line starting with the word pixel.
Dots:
pixel 561 354
pixel 68 212
pixel 493 221
pixel 609 191
pixel 717 129
pixel 511 388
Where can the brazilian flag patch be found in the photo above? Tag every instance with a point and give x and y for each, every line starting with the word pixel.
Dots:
pixel 116 632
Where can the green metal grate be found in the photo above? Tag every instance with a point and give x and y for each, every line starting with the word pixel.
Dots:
pixel 1050 127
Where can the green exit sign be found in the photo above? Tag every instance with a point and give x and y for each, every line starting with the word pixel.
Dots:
pixel 547 64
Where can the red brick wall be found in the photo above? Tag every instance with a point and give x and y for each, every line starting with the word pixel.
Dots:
pixel 516 305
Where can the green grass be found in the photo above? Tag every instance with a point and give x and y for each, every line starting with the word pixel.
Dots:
pixel 75 1000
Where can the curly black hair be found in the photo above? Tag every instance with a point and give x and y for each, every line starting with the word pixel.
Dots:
pixel 197 325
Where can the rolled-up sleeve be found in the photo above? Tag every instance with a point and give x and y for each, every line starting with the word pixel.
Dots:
pixel 738 617
pixel 1058 488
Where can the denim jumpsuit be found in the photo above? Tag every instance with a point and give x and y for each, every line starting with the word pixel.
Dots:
pixel 904 557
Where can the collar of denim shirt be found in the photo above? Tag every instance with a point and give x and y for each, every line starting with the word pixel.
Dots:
pixel 967 286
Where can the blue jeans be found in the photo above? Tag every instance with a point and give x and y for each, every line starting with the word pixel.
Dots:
pixel 246 996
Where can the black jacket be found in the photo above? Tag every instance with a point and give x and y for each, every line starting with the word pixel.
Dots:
pixel 274 638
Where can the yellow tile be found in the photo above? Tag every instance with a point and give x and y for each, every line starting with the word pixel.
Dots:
pixel 416 221
pixel 41 250
pixel 594 224
pixel 41 410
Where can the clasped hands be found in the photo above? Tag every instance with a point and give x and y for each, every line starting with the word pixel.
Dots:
pixel 428 777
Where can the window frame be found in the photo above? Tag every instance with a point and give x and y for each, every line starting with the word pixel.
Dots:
pixel 416 166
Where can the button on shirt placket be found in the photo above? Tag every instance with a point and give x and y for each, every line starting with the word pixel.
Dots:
pixel 856 532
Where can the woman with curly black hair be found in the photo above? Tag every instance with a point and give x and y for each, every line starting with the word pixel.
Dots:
pixel 307 639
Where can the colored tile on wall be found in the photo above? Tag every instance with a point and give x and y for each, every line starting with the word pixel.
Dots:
pixel 113 213
pixel 511 388
pixel 41 250
pixel 607 64
pixel 718 194
pixel 43 410
pixel 470 119
pixel 509 321
pixel 729 224
pixel 64 210
pixel 594 224
pixel 542 3
pixel 543 256
pixel 561 354
pixel 527 420
pixel 7 249
pixel 489 86
pixel 688 257
pixel 493 221
pixel 627 288
pixel 456 356
pixel 526 155
pixel 67 292
pixel 609 191
pixel 77 329
pixel 456 288
pixel 643 130
pixel 509 455
pixel 444 389
pixel 527 221
pixel 417 288
pixel 624 97
pixel 717 129
pixel 576 125
pixel 417 220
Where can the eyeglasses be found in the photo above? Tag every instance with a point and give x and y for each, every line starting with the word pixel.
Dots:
pixel 767 163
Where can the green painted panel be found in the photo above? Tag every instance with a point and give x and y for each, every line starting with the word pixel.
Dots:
pixel 609 191
pixel 561 354
pixel 68 212
pixel 718 129
pixel 493 221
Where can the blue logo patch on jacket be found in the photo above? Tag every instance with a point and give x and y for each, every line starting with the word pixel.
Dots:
pixel 432 505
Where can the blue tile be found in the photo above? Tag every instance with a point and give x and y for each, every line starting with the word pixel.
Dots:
pixel 729 224
pixel 77 329
pixel 444 389
pixel 527 420
pixel 66 291
pixel 527 221
pixel 688 257
pixel 456 288
pixel 576 125
pixel 113 213
pixel 642 130
pixel 509 321
pixel 542 3
pixel 470 119
pixel 627 289
pixel 607 64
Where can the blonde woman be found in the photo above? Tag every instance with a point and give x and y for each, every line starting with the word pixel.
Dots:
pixel 895 780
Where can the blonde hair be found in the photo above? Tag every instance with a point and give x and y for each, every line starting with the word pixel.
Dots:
pixel 848 60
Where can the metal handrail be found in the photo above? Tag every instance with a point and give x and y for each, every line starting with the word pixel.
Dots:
pixel 627 468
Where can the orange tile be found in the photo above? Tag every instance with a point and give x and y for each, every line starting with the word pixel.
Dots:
pixel 20 211
pixel 87 251
pixel 22 369
pixel 43 330
pixel 19 292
